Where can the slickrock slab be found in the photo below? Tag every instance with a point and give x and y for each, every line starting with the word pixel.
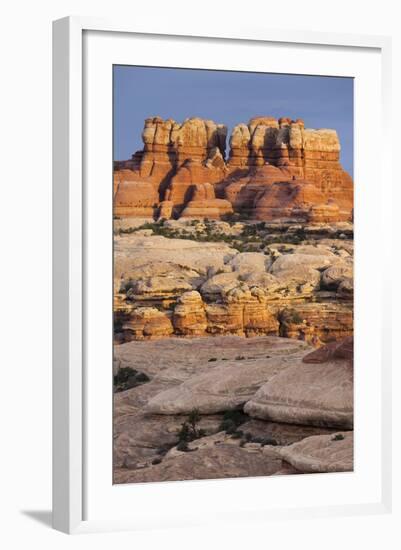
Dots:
pixel 207 463
pixel 335 275
pixel 131 251
pixel 139 439
pixel 177 359
pixel 336 350
pixel 283 434
pixel 291 261
pixel 312 393
pixel 226 385
pixel 321 453
pixel 250 262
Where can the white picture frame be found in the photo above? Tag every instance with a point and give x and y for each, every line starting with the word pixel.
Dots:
pixel 71 243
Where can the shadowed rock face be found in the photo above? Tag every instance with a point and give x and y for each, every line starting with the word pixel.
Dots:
pixel 276 169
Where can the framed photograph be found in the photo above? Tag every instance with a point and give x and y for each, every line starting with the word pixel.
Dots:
pixel 220 338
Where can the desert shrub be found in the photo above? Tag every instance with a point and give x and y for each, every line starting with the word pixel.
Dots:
pixel 189 430
pixel 183 446
pixel 128 378
pixel 156 461
pixel 337 437
pixel 193 419
pixel 212 359
pixel 183 434
pixel 296 318
pixel 126 286
pixel 228 426
pixel 141 377
pixel 290 316
pixel 231 421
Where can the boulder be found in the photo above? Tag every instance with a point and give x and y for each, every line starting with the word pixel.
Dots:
pixel 250 262
pixel 218 285
pixel 346 288
pixel 334 275
pixel 292 261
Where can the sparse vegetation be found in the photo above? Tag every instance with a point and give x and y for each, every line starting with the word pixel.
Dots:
pixel 231 421
pixel 291 316
pixel 337 437
pixel 128 378
pixel 183 446
pixel 189 430
pixel 253 236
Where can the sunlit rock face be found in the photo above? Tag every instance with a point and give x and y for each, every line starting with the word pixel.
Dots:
pixel 275 169
pixel 184 287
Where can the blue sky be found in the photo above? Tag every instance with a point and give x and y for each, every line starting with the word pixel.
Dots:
pixel 228 98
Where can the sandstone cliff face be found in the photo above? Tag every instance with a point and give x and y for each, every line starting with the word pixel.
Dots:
pixel 276 169
pixel 189 288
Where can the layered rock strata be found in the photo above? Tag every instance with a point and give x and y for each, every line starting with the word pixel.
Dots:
pixel 166 286
pixel 276 169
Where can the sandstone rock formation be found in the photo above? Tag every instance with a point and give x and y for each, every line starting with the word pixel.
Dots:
pixel 189 316
pixel 147 322
pixel 317 392
pixel 321 453
pixel 208 463
pixel 276 169
pixel 194 288
pixel 217 374
pixel 227 385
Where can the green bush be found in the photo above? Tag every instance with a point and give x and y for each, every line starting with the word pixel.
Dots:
pixel 128 378
pixel 231 421
pixel 189 429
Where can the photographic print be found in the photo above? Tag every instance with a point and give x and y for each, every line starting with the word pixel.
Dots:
pixel 233 274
